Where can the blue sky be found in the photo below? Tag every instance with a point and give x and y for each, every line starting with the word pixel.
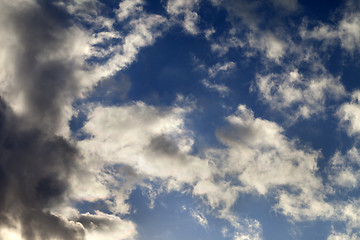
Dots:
pixel 179 119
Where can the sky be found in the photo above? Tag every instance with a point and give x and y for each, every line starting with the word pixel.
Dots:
pixel 179 119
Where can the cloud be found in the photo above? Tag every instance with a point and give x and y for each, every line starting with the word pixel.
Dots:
pixel 342 236
pixel 101 225
pixel 199 217
pixel 133 143
pixel 217 68
pixel 34 169
pixel 294 79
pixel 184 11
pixel 37 84
pixel 152 143
pixel 345 31
pixel 39 63
pixel 253 232
pixel 44 64
pixel 253 31
pixel 304 95
pixel 344 169
pixel 264 160
pixel 220 88
pixel 142 30
pixel 349 114
pixel 273 47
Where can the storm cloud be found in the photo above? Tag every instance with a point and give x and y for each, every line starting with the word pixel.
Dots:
pixel 35 162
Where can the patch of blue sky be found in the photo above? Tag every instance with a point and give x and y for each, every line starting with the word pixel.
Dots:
pixel 171 218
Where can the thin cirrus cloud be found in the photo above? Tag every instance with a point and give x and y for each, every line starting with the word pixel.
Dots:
pixel 71 164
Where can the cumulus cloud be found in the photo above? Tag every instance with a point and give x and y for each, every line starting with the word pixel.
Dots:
pixel 344 169
pixel 264 160
pixel 151 141
pixel 292 90
pixel 349 115
pixel 39 63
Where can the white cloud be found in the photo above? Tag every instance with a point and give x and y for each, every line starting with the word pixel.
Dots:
pixel 10 233
pixel 270 45
pixel 144 31
pixel 151 141
pixel 220 67
pixel 253 231
pixel 220 88
pixel 264 160
pixel 184 11
pixel 104 226
pixel 145 142
pixel 292 90
pixel 344 169
pixel 218 195
pixel 199 217
pixel 342 236
pixel 349 115
pixel 128 8
pixel 346 30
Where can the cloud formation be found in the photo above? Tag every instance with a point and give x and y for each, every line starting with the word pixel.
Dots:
pixel 53 57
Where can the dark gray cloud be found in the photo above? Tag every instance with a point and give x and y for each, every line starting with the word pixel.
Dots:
pixel 162 144
pixel 43 71
pixel 35 163
pixel 34 172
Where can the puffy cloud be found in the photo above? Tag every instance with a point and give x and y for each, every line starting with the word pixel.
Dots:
pixel 184 11
pixel 294 92
pixel 349 114
pixel 273 47
pixel 342 236
pixel 132 143
pixel 101 225
pixel 39 63
pixel 344 169
pixel 264 160
pixel 128 8
pixel 253 231
pixel 151 141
